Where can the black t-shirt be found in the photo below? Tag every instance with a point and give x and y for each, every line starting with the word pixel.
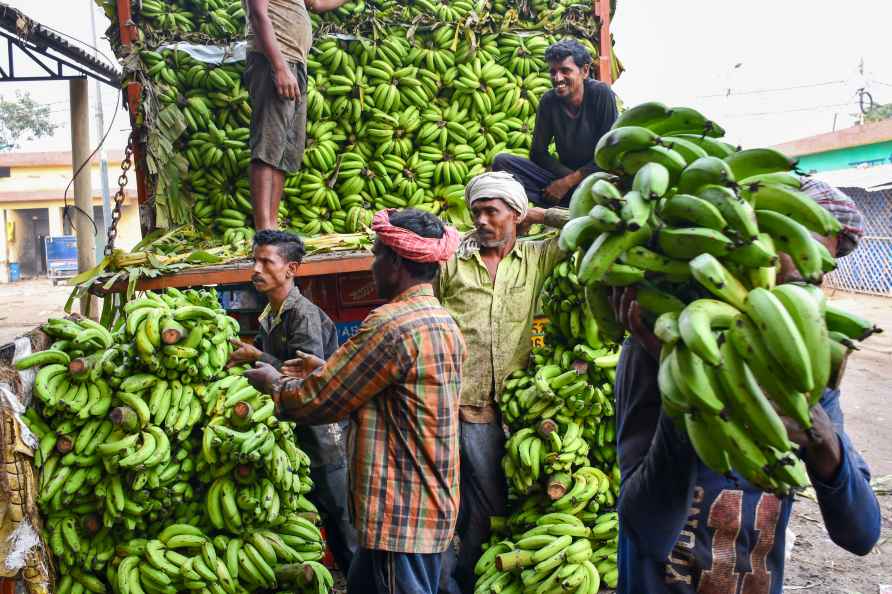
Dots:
pixel 575 136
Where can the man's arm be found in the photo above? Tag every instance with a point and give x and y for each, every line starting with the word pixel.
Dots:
pixel 365 365
pixel 551 217
pixel 324 5
pixel 658 464
pixel 262 26
pixel 848 504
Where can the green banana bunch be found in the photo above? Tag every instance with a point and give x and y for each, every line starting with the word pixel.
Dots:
pixel 556 551
pixel 160 470
pixel 695 225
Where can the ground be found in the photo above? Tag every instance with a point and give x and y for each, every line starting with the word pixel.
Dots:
pixel 816 565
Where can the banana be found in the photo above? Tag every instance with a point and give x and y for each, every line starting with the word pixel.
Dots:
pixel 793 239
pixel 644 115
pixel 633 161
pixel 849 324
pixel 686 209
pixel 782 338
pixel 692 377
pixel 718 280
pixel 748 342
pixel 738 213
pixel 619 141
pixel 605 250
pixel 713 147
pixel 760 161
pixel 650 261
pixel 806 315
pixel 704 171
pixel 651 181
pixel 697 322
pixel 796 205
pixel 42 358
pixel 690 242
pixel 748 404
pixel 688 150
pixel 684 120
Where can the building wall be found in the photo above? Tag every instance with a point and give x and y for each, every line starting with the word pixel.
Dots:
pixel 36 187
pixel 856 156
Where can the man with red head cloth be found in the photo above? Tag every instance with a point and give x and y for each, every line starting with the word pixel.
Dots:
pixel 399 380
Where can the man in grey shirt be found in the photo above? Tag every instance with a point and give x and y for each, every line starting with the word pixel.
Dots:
pixel 291 323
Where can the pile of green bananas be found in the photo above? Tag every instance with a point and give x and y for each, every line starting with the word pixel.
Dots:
pixel 695 225
pixel 195 20
pixel 406 101
pixel 556 552
pixel 159 470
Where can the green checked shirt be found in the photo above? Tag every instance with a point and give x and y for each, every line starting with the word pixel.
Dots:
pixel 496 319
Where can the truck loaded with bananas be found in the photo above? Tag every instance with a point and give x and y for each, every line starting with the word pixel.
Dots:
pixel 695 225
pixel 560 459
pixel 406 102
pixel 160 471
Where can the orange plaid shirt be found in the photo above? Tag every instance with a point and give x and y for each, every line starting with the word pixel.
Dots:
pixel 399 379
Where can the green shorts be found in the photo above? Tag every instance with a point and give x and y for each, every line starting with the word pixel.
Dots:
pixel 278 125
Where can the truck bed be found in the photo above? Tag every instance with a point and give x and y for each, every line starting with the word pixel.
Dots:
pixel 240 272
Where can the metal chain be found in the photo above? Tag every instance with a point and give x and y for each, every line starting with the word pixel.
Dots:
pixel 126 164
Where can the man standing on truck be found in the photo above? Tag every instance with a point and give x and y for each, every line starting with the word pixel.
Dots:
pixel 491 287
pixel 687 529
pixel 575 114
pixel 279 35
pixel 291 324
pixel 399 379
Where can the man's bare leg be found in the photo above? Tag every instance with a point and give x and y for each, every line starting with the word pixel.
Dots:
pixel 266 192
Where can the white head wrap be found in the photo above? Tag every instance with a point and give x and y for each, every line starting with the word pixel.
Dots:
pixel 497 184
pixel 487 186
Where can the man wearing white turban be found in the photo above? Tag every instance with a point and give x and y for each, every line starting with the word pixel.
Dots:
pixel 490 288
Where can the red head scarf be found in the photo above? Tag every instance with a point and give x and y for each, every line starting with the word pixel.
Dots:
pixel 412 246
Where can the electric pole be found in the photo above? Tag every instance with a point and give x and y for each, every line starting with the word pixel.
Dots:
pixel 100 132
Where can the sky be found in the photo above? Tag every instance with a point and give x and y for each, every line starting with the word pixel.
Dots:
pixel 737 60
pixel 767 70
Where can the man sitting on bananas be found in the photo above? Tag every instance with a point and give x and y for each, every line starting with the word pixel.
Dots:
pixel 291 324
pixel 279 35
pixel 685 528
pixel 490 287
pixel 399 380
pixel 575 114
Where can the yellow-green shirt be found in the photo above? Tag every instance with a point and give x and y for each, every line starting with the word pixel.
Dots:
pixel 495 318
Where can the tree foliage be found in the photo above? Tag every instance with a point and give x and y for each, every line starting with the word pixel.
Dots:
pixel 23 118
pixel 878 113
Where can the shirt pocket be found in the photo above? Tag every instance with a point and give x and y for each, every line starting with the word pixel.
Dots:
pixel 519 303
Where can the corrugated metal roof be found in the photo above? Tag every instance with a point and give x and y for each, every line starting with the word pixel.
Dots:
pixel 52 44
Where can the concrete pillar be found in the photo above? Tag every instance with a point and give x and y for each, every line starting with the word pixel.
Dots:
pixel 4 249
pixel 83 190
pixel 57 226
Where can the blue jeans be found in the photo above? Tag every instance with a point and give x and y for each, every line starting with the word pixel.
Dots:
pixel 484 493
pixel 386 572
pixel 532 177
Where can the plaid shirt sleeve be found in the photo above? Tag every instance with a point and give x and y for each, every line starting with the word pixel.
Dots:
pixel 361 368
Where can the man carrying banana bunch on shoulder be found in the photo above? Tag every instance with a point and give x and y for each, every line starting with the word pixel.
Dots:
pixel 575 114
pixel 683 527
pixel 279 36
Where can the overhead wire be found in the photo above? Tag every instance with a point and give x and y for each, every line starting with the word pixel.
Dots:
pixel 732 93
